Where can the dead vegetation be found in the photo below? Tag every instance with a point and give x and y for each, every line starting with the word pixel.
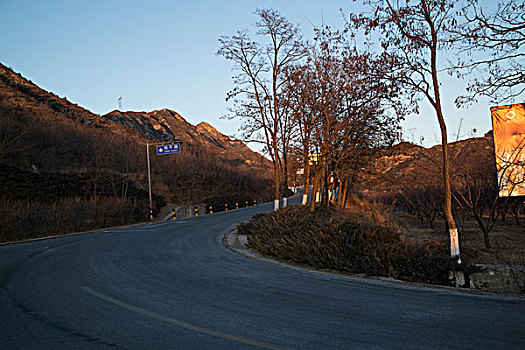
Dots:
pixel 64 169
pixel 406 179
pixel 24 219
pixel 508 238
pixel 490 227
pixel 346 241
pixel 402 194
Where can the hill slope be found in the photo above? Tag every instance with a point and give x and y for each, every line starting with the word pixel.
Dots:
pixel 407 165
pixel 43 133
pixel 165 125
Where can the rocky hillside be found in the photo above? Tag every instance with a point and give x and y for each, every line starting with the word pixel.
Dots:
pixel 229 148
pixel 41 133
pixel 19 95
pixel 408 165
pixel 166 125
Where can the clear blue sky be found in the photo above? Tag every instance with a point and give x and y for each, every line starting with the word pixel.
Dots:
pixel 161 54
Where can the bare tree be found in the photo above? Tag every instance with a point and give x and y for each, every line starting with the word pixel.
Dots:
pixel 492 50
pixel 476 184
pixel 257 95
pixel 296 89
pixel 413 33
pixel 341 111
pixel 479 182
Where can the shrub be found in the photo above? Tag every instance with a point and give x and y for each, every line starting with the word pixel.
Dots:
pixel 326 238
pixel 32 218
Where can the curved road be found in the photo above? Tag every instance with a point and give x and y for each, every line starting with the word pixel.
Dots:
pixel 175 286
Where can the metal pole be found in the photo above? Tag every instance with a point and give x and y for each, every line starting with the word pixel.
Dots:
pixel 149 184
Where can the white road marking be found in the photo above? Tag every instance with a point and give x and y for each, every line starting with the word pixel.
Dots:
pixel 177 322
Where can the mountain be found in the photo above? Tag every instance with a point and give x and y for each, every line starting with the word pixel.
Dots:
pixel 230 147
pixel 41 133
pixel 166 125
pixel 406 165
pixel 20 96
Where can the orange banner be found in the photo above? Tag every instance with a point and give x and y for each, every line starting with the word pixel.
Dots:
pixel 508 124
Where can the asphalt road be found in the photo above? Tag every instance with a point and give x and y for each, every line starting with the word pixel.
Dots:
pixel 175 286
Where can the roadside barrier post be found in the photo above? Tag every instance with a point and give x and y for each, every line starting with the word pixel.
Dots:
pixel 211 210
pixel 254 202
pixel 226 206
pixel 151 214
pixel 246 204
pixel 236 205
pixel 196 211
pixel 174 217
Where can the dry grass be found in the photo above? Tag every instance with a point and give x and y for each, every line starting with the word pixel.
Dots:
pixel 21 220
pixel 346 241
pixel 507 239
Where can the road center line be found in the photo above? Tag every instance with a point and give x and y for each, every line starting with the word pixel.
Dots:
pixel 177 322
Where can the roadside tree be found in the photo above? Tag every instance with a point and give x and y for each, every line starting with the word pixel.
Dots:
pixel 342 112
pixel 257 94
pixel 491 50
pixel 414 33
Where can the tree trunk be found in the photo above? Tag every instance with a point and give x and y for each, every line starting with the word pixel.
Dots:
pixel 337 192
pixel 277 185
pixel 345 194
pixel 516 214
pixel 285 171
pixel 342 193
pixel 306 180
pixel 447 195
pixel 317 179
pixel 484 228
pixel 324 201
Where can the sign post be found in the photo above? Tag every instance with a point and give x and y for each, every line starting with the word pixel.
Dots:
pixel 163 148
pixel 149 184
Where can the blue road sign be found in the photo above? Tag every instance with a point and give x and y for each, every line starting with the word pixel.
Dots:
pixel 168 149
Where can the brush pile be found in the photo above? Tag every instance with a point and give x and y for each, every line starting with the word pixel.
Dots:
pixel 332 239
